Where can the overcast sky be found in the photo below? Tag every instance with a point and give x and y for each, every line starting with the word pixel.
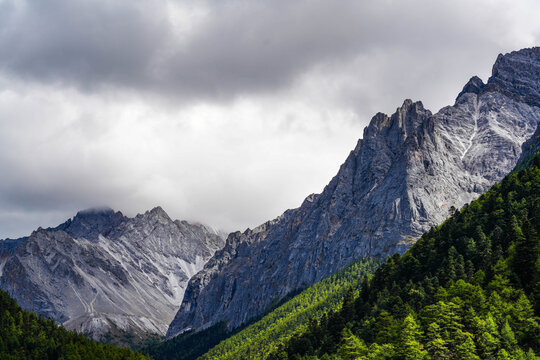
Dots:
pixel 223 112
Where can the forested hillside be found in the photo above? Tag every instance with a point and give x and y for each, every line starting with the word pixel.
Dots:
pixel 468 289
pixel 293 317
pixel 23 335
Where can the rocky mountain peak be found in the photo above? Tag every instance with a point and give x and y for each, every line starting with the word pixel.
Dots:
pixel 377 122
pixel 409 116
pixel 475 85
pixel 156 214
pixel 101 271
pixel 397 126
pixel 158 211
pixel 90 223
pixel 517 75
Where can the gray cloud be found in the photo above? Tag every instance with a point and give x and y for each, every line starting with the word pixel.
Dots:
pixel 234 48
pixel 80 43
pixel 226 112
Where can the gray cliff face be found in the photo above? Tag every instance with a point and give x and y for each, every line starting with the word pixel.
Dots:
pixel 102 269
pixel 516 76
pixel 532 146
pixel 403 177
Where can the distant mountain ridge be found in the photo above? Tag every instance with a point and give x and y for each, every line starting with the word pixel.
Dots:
pixel 101 271
pixel 405 175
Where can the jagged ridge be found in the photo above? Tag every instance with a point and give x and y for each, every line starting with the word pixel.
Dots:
pixel 406 175
pixel 102 270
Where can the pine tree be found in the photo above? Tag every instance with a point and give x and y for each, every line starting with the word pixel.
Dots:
pixel 508 339
pixel 380 352
pixel 436 345
pixel 527 252
pixel 503 355
pixel 465 348
pixel 386 328
pixel 488 344
pixel 530 355
pixel 409 348
pixel 352 347
pixel 348 305
pixel 483 244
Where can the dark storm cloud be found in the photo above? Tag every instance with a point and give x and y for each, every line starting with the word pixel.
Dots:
pixel 238 47
pixel 80 43
pixel 232 48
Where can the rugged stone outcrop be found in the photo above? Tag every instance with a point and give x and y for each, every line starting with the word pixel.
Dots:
pixel 103 270
pixel 407 173
pixel 531 147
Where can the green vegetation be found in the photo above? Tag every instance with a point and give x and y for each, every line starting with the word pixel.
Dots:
pixel 189 345
pixel 530 155
pixel 279 321
pixel 23 335
pixel 134 340
pixel 293 317
pixel 468 289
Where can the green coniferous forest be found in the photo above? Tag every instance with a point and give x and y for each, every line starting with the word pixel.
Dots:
pixel 468 289
pixel 281 322
pixel 294 316
pixel 24 335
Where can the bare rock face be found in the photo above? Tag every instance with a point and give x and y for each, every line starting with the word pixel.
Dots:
pixel 532 146
pixel 405 175
pixel 516 76
pixel 102 269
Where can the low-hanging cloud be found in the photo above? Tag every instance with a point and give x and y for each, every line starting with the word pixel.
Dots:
pixel 225 112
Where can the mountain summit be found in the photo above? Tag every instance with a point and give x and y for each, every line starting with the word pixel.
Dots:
pixel 407 174
pixel 102 272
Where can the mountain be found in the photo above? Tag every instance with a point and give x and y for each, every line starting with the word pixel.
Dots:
pixel 23 335
pixel 468 289
pixel 409 172
pixel 103 274
pixel 530 148
pixel 290 316
pixel 298 315
pixel 294 317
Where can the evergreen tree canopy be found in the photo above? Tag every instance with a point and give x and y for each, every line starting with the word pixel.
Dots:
pixel 24 335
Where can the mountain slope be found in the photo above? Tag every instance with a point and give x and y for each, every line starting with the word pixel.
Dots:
pixel 102 272
pixel 530 149
pixel 294 316
pixel 407 174
pixel 467 289
pixel 299 314
pixel 23 335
